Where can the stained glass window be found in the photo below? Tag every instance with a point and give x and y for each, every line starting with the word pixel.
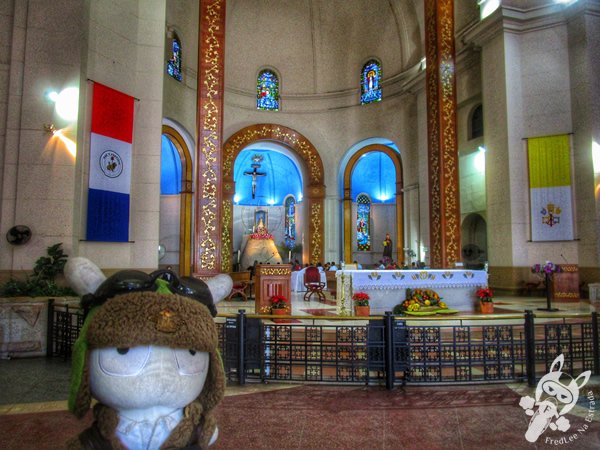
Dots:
pixel 290 222
pixel 267 91
pixel 174 64
pixel 363 216
pixel 370 83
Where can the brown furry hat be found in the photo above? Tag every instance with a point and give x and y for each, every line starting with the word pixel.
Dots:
pixel 152 318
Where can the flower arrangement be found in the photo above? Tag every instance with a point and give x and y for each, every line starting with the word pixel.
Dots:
pixel 485 295
pixel 261 234
pixel 361 299
pixel 417 299
pixel 279 302
pixel 547 268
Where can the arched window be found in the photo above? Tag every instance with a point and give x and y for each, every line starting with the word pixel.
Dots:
pixel 170 168
pixel 290 222
pixel 174 64
pixel 476 123
pixel 363 218
pixel 370 83
pixel 267 91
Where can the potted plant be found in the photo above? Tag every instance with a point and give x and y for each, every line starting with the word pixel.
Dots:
pixel 361 304
pixel 279 305
pixel 486 300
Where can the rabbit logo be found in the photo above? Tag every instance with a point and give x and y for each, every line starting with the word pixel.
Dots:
pixel 553 399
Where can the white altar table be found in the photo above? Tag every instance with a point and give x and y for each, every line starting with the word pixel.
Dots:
pixel 387 288
pixel 298 280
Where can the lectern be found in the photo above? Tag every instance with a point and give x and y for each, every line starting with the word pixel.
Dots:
pixel 565 284
pixel 271 279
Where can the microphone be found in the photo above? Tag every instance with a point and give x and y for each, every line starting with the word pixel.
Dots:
pixel 562 256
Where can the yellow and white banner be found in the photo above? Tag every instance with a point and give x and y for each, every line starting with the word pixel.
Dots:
pixel 550 188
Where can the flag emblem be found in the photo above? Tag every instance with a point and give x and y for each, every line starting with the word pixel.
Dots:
pixel 111 164
pixel 550 215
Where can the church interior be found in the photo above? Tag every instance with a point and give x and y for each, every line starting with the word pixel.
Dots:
pixel 245 137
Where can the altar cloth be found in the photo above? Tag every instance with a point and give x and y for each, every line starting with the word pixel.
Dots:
pixel 387 288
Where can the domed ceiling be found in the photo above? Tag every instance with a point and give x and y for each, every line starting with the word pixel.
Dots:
pixel 319 46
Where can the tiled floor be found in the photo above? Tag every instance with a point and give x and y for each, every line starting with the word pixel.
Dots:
pixel 263 416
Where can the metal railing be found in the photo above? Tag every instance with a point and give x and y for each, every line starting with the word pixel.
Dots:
pixel 387 349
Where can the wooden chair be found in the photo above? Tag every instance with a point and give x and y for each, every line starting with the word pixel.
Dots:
pixel 313 284
pixel 331 283
pixel 241 281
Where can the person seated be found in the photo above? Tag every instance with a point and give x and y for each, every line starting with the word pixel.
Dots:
pixel 320 266
pixel 358 265
pixel 381 265
pixel 332 267
pixel 296 265
pixel 392 266
pixel 326 266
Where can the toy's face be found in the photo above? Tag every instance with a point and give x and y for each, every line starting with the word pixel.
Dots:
pixel 147 376
pixel 563 393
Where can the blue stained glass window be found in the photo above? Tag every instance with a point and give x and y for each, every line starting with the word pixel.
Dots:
pixel 363 217
pixel 370 83
pixel 267 91
pixel 290 222
pixel 174 64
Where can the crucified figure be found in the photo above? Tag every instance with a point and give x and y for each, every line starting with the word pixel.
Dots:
pixel 254 174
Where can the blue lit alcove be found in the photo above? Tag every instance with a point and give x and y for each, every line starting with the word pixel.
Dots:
pixel 282 177
pixel 170 168
pixel 375 175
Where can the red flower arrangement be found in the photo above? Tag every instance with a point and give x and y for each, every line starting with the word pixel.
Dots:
pixel 361 299
pixel 485 295
pixel 279 302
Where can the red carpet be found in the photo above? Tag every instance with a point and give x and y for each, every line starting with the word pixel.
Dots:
pixel 316 417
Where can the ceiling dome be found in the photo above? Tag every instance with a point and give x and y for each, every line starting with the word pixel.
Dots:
pixel 277 176
pixel 318 47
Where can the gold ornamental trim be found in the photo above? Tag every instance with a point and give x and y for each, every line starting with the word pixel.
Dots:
pixel 275 271
pixel 210 92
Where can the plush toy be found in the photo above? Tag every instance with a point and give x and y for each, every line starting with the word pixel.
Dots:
pixel 148 353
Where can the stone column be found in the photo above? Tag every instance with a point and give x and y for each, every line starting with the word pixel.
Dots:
pixel 441 129
pixel 209 116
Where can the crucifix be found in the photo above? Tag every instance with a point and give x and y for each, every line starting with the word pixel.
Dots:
pixel 255 173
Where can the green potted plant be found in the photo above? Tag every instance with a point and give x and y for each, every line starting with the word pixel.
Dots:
pixel 42 283
pixel 361 304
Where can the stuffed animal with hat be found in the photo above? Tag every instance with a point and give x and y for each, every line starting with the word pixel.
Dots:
pixel 148 353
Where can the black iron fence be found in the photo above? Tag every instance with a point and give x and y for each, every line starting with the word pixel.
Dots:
pixel 387 349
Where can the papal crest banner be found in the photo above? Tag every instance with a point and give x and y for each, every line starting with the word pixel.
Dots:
pixel 110 165
pixel 550 190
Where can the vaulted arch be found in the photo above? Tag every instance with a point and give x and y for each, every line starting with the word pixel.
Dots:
pixel 348 221
pixel 314 187
pixel 186 194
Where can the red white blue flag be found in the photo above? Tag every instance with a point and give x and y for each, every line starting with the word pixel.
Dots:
pixel 110 165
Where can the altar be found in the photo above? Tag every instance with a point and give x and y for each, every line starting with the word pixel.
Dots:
pixel 387 288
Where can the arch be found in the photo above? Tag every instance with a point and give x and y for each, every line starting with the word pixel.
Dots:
pixel 347 201
pixel 475 123
pixel 185 214
pixel 313 185
pixel 474 241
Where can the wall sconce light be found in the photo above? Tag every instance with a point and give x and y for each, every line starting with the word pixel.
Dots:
pixel 49 128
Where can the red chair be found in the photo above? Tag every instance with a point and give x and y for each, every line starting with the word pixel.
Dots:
pixel 313 284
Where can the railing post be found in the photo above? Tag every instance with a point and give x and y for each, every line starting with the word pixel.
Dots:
pixel 390 371
pixel 50 328
pixel 595 343
pixel 241 329
pixel 530 347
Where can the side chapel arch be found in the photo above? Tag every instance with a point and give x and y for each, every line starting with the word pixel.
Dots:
pixel 186 194
pixel 348 219
pixel 314 187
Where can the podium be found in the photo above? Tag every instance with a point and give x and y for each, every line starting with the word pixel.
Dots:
pixel 270 280
pixel 565 284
